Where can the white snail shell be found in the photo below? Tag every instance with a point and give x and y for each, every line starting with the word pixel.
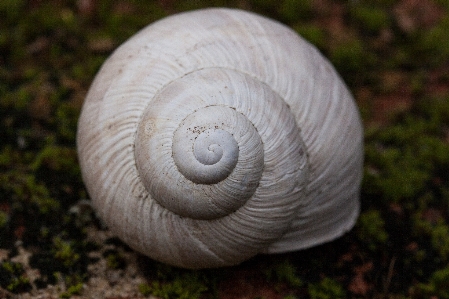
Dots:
pixel 214 135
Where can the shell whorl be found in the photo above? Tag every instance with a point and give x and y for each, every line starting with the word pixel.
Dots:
pixel 203 145
pixel 215 148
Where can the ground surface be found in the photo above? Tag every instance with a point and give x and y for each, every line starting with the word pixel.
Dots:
pixel 394 56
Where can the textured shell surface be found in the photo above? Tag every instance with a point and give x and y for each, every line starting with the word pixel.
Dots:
pixel 213 135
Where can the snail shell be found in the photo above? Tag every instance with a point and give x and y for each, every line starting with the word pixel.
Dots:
pixel 214 135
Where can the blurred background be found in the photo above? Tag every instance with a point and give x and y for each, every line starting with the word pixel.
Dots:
pixel 392 54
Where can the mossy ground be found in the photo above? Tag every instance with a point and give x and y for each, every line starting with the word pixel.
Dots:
pixel 394 56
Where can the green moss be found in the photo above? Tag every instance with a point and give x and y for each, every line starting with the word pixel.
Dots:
pixel 406 171
pixel 187 286
pixel 145 289
pixel 58 166
pixel 434 43
pixel 58 160
pixel 72 290
pixel 371 19
pixel 284 272
pixel 62 257
pixel 66 119
pixel 114 259
pixel 64 253
pixel 12 277
pixel 327 288
pixel 438 285
pixel 401 176
pixel 410 157
pixel 352 59
pixel 381 3
pixel 313 34
pixel 10 10
pixel 443 3
pixel 293 10
pixel 440 240
pixel 371 229
pixel 3 220
pixel 437 232
pixel 25 194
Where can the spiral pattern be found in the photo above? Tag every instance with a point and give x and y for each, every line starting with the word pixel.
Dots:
pixel 203 153
pixel 206 144
pixel 176 135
